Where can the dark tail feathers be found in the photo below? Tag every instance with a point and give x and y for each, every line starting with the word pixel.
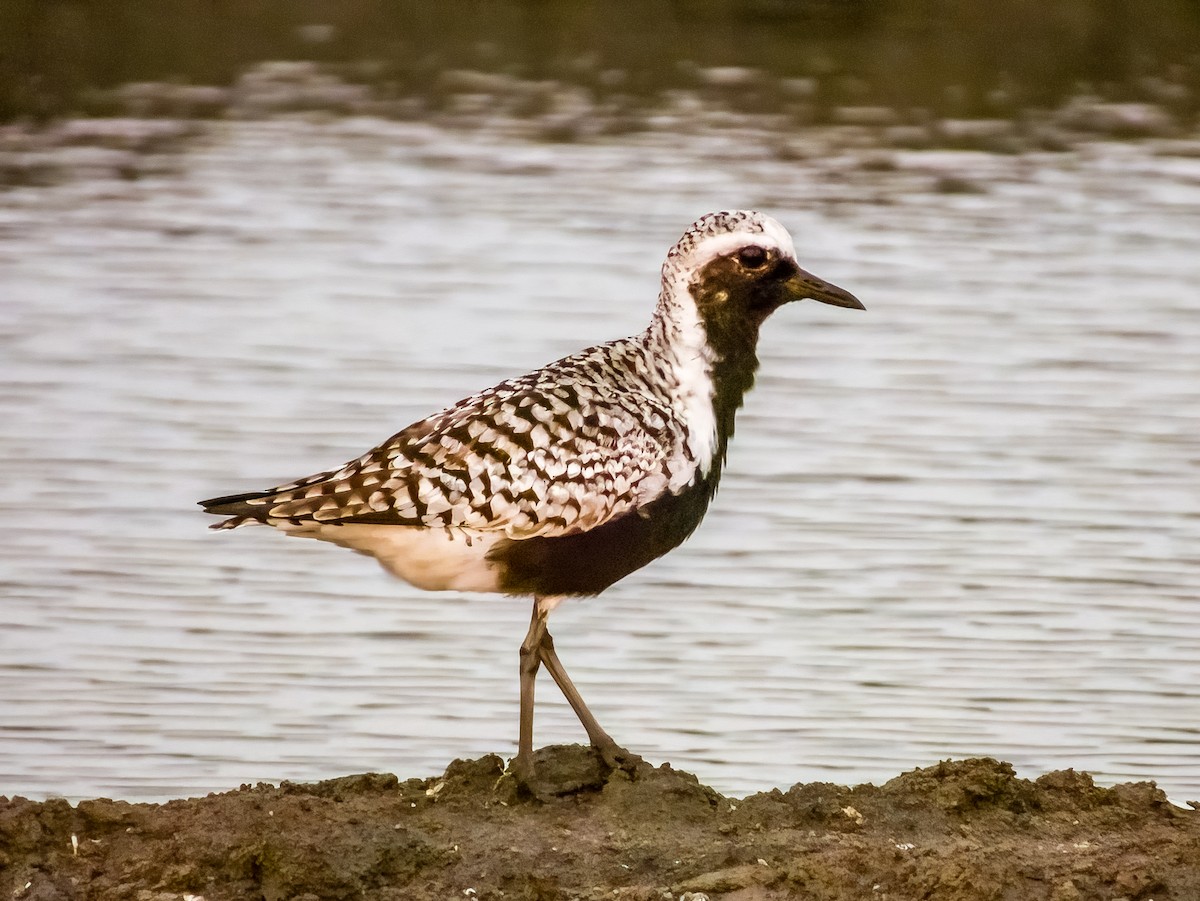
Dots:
pixel 237 505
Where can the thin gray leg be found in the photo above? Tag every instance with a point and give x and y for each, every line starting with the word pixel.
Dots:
pixel 522 764
pixel 612 753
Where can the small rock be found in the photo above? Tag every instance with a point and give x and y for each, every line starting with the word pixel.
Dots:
pixel 729 879
pixel 104 812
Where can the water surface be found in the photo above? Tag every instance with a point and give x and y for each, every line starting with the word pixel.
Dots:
pixel 962 523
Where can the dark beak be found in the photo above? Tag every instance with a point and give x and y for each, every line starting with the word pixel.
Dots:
pixel 806 286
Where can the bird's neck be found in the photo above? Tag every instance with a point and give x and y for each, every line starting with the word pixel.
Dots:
pixel 713 368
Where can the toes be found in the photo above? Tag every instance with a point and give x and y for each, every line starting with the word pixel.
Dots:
pixel 617 758
pixel 520 770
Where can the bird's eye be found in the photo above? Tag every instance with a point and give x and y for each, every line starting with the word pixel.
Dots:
pixel 752 257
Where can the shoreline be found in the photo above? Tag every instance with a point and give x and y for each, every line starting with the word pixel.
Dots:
pixel 958 830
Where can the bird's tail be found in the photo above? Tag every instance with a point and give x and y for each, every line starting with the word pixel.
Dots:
pixel 239 508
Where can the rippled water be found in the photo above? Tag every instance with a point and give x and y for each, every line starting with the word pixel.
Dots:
pixel 962 523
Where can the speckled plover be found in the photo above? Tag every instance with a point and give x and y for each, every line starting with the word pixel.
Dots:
pixel 560 482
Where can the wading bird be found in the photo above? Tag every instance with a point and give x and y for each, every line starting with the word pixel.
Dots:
pixel 558 483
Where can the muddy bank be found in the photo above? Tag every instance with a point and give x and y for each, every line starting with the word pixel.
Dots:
pixel 967 829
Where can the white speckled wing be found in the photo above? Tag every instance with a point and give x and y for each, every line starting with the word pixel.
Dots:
pixel 561 450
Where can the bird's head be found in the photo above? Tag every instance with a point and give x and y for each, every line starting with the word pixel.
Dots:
pixel 739 267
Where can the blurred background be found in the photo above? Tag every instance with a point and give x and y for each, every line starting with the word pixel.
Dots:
pixel 243 242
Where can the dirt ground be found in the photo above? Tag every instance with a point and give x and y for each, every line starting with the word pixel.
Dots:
pixel 960 830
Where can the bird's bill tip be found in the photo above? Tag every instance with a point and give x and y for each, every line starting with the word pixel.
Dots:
pixel 806 286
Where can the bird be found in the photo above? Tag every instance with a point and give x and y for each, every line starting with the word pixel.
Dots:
pixel 558 483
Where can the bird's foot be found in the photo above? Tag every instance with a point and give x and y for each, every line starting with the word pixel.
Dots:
pixel 521 771
pixel 521 775
pixel 562 770
pixel 617 758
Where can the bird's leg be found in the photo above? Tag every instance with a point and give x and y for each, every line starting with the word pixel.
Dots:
pixel 613 754
pixel 522 764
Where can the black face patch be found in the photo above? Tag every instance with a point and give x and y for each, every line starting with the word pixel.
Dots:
pixel 735 298
pixel 733 302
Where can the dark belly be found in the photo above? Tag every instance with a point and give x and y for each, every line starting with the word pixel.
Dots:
pixel 588 562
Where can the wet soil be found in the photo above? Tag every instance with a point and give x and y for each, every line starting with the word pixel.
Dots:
pixel 968 829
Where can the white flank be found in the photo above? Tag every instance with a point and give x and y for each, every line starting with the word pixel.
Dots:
pixel 432 559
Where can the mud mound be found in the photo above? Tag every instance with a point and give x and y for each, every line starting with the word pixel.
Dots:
pixel 956 831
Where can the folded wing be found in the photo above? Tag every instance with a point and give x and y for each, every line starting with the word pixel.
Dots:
pixel 534 456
